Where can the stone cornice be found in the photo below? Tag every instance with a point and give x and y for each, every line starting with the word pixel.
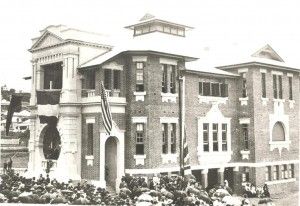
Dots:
pixel 67 41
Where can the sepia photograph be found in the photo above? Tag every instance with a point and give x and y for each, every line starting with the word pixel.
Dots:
pixel 150 102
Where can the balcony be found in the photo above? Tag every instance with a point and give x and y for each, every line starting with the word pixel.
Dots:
pixel 90 96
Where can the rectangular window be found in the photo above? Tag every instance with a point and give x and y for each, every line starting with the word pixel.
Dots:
pixel 90 79
pixel 275 92
pixel 215 138
pixel 284 172
pixel 224 137
pixel 291 170
pixel 290 88
pixel 107 79
pixel 268 173
pixel 117 79
pixel 173 138
pixel 263 85
pixel 215 89
pixel 173 80
pixel 200 88
pixel 90 140
pixel 206 89
pixel 276 172
pixel 244 85
pixel 139 139
pixel 205 137
pixel 164 78
pixel 224 90
pixel 139 76
pixel 245 136
pixel 280 86
pixel 164 129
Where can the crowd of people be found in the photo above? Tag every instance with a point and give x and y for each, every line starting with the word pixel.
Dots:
pixel 163 190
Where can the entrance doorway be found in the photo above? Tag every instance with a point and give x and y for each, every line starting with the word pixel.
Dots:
pixel 212 178
pixel 111 162
pixel 228 175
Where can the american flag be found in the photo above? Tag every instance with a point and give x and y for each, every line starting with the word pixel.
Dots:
pixel 105 108
pixel 186 156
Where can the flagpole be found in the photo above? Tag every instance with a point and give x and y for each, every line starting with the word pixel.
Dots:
pixel 181 129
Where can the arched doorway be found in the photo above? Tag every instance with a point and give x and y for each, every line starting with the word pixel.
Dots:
pixel 51 142
pixel 111 162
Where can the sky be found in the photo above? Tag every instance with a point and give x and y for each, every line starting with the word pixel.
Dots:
pixel 219 25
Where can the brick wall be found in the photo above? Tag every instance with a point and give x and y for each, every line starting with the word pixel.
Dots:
pixel 153 108
pixel 88 171
pixel 194 110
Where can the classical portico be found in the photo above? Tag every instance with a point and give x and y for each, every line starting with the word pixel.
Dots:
pixel 55 60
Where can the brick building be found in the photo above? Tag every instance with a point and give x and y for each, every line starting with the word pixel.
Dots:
pixel 241 120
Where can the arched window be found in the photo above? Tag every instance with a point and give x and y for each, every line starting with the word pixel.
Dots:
pixel 278 132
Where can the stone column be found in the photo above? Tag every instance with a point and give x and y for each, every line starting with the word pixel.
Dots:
pixel 69 82
pixel 204 178
pixel 103 138
pixel 68 162
pixel 237 180
pixel 221 175
pixel 33 83
pixel 39 77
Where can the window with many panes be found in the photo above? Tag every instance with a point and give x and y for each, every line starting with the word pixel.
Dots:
pixel 164 129
pixel 244 85
pixel 277 86
pixel 245 133
pixel 112 79
pixel 263 85
pixel 224 137
pixel 291 170
pixel 205 137
pixel 276 172
pixel 268 173
pixel 173 79
pixel 173 138
pixel 139 138
pixel 215 137
pixel 140 76
pixel 164 83
pixel 168 78
pixel 290 88
pixel 284 172
pixel 213 89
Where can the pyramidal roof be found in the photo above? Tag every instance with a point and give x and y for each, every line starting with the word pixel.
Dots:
pixel 153 18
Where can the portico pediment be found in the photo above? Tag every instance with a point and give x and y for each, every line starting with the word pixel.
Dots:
pixel 47 39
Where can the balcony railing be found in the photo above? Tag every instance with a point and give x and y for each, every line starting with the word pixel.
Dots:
pixel 87 93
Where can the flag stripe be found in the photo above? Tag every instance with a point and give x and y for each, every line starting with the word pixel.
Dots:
pixel 105 108
pixel 186 156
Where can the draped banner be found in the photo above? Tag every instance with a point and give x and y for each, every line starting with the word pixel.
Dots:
pixel 48 102
pixel 14 106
